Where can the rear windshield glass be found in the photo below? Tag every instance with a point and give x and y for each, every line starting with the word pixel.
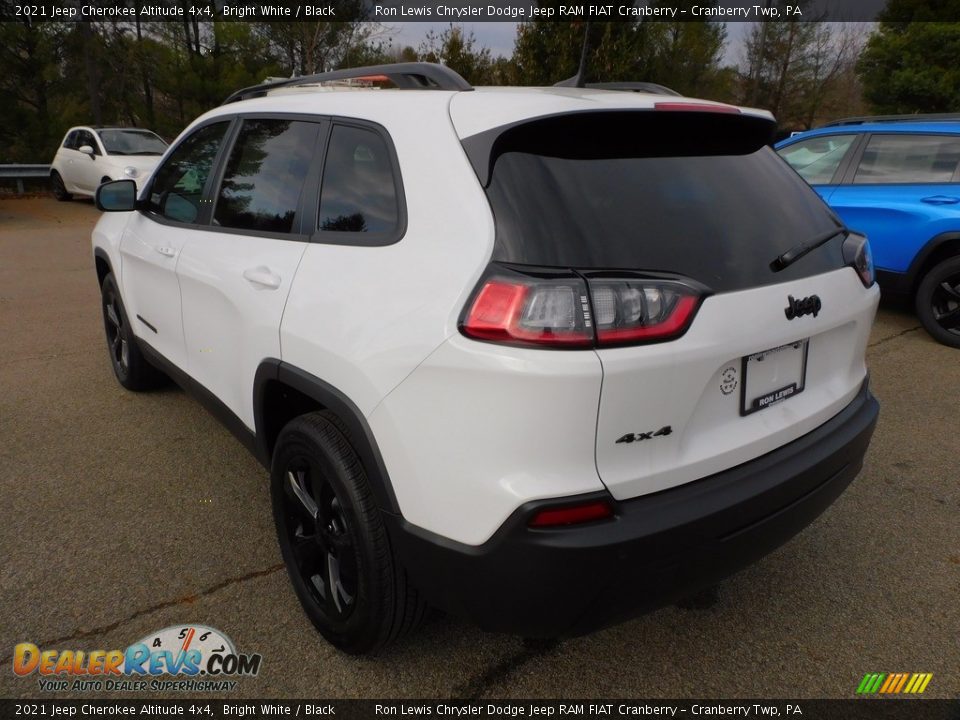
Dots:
pixel 719 219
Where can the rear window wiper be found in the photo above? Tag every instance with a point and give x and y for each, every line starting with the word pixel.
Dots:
pixel 788 258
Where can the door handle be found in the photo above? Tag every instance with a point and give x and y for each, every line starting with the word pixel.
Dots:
pixel 941 200
pixel 166 251
pixel 262 276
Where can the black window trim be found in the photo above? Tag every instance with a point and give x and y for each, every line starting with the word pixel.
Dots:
pixel 851 169
pixel 359 239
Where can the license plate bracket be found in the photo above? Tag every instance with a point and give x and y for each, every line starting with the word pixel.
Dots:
pixel 772 376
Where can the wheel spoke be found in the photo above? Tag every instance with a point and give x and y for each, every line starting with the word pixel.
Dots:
pixel 295 485
pixel 950 290
pixel 305 543
pixel 950 319
pixel 112 316
pixel 338 594
pixel 124 352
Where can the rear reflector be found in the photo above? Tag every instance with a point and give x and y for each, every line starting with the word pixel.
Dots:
pixel 572 515
pixel 695 107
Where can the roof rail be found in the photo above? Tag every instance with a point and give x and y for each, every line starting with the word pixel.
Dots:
pixel 406 76
pixel 920 117
pixel 644 87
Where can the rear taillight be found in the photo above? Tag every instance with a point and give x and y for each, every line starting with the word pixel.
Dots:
pixel 856 253
pixel 531 312
pixel 572 311
pixel 633 311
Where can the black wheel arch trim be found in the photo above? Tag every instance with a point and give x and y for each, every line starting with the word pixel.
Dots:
pixel 331 398
pixel 913 275
pixel 100 253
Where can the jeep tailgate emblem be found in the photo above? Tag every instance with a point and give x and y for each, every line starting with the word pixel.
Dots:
pixel 807 306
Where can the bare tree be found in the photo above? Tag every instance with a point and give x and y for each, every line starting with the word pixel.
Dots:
pixel 793 68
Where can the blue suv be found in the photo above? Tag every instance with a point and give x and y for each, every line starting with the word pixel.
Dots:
pixel 898 182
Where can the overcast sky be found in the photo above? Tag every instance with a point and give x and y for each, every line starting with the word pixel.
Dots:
pixel 499 36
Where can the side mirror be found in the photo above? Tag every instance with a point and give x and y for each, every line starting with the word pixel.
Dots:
pixel 86 150
pixel 117 196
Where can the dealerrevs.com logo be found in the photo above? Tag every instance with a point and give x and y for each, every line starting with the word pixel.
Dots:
pixel 186 658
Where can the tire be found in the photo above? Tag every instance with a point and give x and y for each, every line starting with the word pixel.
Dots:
pixel 132 369
pixel 938 302
pixel 58 188
pixel 332 537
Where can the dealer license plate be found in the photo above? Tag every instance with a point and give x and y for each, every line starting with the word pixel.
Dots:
pixel 773 376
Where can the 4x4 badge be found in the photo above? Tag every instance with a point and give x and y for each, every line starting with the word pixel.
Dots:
pixel 808 306
pixel 640 436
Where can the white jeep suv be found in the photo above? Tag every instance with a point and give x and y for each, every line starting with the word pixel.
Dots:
pixel 543 358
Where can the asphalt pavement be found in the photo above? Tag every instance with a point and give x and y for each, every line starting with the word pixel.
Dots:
pixel 122 513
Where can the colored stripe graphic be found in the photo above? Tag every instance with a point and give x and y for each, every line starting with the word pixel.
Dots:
pixel 894 683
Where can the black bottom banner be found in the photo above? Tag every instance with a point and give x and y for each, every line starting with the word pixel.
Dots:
pixel 894 709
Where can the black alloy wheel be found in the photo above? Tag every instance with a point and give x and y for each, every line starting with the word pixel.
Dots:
pixel 333 540
pixel 114 322
pixel 132 369
pixel 938 302
pixel 320 539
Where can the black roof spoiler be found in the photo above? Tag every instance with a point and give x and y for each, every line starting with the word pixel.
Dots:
pixel 406 76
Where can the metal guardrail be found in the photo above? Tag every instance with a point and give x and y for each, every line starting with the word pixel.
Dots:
pixel 23 172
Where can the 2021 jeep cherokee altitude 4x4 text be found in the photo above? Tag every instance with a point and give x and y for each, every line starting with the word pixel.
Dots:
pixel 541 358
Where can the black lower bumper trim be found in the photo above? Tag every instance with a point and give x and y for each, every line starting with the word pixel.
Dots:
pixel 659 548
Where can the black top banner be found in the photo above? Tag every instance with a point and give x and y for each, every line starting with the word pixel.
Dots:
pixel 392 11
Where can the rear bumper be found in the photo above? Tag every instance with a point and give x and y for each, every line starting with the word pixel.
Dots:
pixel 658 548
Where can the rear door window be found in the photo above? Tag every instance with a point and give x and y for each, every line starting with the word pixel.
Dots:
pixel 908 158
pixel 265 175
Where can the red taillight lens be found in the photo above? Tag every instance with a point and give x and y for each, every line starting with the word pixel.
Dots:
pixel 572 515
pixel 634 311
pixel 536 312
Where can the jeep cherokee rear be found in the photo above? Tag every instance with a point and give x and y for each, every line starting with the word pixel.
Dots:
pixel 542 358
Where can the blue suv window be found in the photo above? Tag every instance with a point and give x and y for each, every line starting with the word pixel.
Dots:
pixel 817 159
pixel 909 158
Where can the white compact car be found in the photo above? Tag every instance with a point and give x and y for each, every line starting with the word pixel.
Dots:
pixel 90 156
pixel 543 358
